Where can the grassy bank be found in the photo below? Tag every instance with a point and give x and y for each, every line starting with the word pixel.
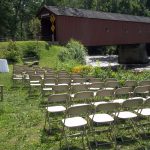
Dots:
pixel 22 117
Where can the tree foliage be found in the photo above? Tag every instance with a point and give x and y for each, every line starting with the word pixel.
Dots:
pixel 16 15
pixel 34 27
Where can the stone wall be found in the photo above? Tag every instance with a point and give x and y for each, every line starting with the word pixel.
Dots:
pixel 133 54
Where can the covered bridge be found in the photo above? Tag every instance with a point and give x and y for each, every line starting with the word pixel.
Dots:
pixel 95 28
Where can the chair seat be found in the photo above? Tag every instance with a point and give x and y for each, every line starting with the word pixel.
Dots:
pixel 34 81
pixel 144 112
pixel 81 104
pixel 74 122
pixel 109 88
pixel 47 89
pixel 72 95
pixel 138 98
pixel 17 78
pixel 35 84
pixel 94 89
pixel 101 118
pixel 126 115
pixel 97 103
pixel 118 101
pixel 55 109
pixel 62 84
pixel 49 84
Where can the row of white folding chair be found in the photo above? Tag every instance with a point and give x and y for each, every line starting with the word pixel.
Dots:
pixel 104 118
pixel 134 83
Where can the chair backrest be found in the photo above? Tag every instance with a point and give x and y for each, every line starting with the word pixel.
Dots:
pixel 112 84
pixel 144 82
pixel 79 80
pixel 61 89
pixel 130 83
pixel 63 75
pixel 35 78
pixel 56 98
pixel 92 80
pixel 108 107
pixel 62 72
pixel 50 71
pixel 84 95
pixel 147 102
pixel 99 85
pixel 89 77
pixel 30 72
pixel 110 79
pixel 75 76
pixel 78 88
pixel 141 89
pixel 132 104
pixel 79 110
pixel 64 81
pixel 123 91
pixel 40 71
pixel 105 92
pixel 50 81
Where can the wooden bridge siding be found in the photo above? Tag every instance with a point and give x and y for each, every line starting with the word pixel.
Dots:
pixel 93 32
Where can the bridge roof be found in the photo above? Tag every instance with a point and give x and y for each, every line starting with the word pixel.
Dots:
pixel 96 14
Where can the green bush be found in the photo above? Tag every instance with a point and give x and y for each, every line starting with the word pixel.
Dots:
pixel 15 51
pixel 12 53
pixel 74 51
pixel 32 48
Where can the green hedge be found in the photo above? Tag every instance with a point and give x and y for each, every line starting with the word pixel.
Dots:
pixel 25 49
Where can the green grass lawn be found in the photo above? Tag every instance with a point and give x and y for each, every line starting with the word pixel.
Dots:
pixel 22 122
pixel 22 117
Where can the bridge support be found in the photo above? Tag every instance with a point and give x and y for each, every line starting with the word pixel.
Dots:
pixel 133 54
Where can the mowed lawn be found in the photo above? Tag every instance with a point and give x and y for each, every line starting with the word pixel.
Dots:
pixel 22 119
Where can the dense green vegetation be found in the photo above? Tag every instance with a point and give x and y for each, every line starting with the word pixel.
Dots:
pixel 16 15
pixel 16 51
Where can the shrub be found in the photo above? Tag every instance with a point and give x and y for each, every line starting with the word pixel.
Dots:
pixel 74 51
pixel 82 69
pixel 64 54
pixel 67 65
pixel 12 53
pixel 32 50
pixel 21 49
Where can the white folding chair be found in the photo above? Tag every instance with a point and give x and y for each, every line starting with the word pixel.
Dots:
pixel 141 91
pixel 83 97
pixel 121 94
pixel 57 104
pixel 128 115
pixel 48 83
pixel 145 112
pixel 75 124
pixel 95 86
pixel 61 89
pixel 104 115
pixel 112 85
pixel 103 96
pixel 144 82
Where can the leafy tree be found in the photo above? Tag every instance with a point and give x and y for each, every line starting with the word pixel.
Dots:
pixel 34 27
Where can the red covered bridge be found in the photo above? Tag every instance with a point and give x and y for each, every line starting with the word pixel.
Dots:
pixel 93 28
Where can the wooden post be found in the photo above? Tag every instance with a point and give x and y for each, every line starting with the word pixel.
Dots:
pixel 52 19
pixel 1 91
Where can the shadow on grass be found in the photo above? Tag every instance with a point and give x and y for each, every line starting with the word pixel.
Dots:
pixel 71 148
pixel 101 145
pixel 47 135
